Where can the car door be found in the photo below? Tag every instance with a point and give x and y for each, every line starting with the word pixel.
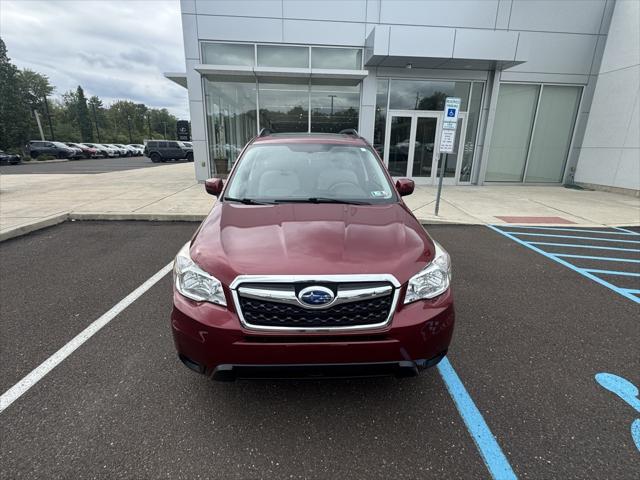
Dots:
pixel 174 150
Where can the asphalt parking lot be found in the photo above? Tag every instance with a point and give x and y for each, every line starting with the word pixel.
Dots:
pixel 532 334
pixel 97 165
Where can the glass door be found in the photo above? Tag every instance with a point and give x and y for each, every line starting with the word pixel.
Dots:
pixel 410 144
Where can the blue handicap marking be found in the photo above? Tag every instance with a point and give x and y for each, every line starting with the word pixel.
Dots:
pixel 629 393
pixel 451 112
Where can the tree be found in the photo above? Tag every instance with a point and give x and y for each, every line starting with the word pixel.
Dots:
pixel 14 113
pixel 97 114
pixel 86 130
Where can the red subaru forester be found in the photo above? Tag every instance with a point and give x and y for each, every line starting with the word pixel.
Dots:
pixel 310 264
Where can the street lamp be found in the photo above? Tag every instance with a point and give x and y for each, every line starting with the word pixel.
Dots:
pixel 332 97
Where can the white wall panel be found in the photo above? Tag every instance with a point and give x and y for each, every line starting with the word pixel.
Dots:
pixel 243 8
pixel 628 171
pixel 239 29
pixel 458 13
pixel 340 10
pixel 576 16
pixel 190 36
pixel 421 41
pixel 503 14
pixel 324 33
pixel 188 6
pixel 623 42
pixel 556 52
pixel 485 44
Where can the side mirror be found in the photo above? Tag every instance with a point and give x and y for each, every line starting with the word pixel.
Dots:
pixel 213 186
pixel 405 186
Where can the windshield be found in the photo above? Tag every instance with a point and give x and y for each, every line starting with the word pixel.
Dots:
pixel 314 172
pixel 59 144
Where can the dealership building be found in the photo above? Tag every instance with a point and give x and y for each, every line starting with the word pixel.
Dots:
pixel 549 89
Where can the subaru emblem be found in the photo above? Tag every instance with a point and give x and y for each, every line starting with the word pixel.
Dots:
pixel 316 296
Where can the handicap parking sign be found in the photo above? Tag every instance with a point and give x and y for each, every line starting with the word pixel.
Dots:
pixel 451 112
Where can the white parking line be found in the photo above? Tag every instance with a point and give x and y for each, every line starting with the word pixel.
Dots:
pixel 50 363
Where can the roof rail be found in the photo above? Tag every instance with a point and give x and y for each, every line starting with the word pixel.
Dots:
pixel 265 132
pixel 349 131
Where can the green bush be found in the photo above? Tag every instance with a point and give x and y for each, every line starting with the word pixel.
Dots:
pixel 45 157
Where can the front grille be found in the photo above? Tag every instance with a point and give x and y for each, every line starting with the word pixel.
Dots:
pixel 274 314
pixel 259 308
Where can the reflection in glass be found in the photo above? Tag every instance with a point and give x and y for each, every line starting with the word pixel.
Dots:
pixel 228 54
pixel 231 120
pixel 284 107
pixel 283 56
pixel 473 119
pixel 334 108
pixel 344 58
pixel 426 94
pixel 552 137
pixel 511 132
pixel 424 145
pixel 399 146
pixel 380 124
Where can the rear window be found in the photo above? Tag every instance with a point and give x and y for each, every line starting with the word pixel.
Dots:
pixel 300 171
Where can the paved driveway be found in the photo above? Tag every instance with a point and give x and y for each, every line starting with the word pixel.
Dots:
pixel 98 165
pixel 537 352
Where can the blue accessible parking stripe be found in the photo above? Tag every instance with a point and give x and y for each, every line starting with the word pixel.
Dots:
pixel 559 257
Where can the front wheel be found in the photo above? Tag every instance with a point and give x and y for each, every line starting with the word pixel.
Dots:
pixel 155 157
pixel 189 157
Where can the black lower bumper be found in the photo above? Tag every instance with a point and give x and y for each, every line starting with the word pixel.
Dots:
pixel 229 373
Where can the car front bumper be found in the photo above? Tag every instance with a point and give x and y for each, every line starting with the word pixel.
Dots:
pixel 210 339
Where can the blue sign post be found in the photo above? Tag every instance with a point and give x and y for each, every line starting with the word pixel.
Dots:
pixel 447 138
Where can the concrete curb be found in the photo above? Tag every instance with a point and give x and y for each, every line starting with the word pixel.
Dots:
pixel 32 227
pixel 36 162
pixel 152 217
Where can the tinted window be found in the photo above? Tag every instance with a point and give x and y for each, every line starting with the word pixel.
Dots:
pixel 152 144
pixel 344 58
pixel 173 144
pixel 228 54
pixel 283 56
pixel 163 144
pixel 302 170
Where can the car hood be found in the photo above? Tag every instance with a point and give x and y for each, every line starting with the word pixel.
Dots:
pixel 311 239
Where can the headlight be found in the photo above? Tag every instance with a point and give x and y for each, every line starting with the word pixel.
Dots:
pixel 193 282
pixel 433 280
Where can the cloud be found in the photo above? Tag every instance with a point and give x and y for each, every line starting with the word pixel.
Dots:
pixel 117 50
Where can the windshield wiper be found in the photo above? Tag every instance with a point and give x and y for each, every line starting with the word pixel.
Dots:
pixel 321 200
pixel 247 201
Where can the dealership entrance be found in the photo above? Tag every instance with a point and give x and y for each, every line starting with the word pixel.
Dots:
pixel 411 147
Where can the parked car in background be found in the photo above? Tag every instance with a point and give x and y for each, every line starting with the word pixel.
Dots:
pixel 9 158
pixel 165 150
pixel 77 151
pixel 85 150
pixel 120 151
pixel 139 149
pixel 128 150
pixel 103 150
pixel 36 148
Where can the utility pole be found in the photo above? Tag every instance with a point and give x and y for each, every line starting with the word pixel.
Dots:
pixel 332 97
pixel 165 130
pixel 37 115
pixel 46 107
pixel 95 119
pixel 129 127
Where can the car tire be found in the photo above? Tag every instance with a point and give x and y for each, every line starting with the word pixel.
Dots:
pixel 155 157
pixel 189 157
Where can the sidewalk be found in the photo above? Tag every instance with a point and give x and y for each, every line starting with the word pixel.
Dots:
pixel 170 192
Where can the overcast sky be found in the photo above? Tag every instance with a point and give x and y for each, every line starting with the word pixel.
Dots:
pixel 116 49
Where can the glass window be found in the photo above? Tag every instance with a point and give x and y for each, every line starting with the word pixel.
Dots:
pixel 341 58
pixel 553 132
pixel 380 124
pixel 283 56
pixel 511 132
pixel 284 107
pixel 228 54
pixel 334 107
pixel 231 120
pixel 426 94
pixel 299 171
pixel 473 119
